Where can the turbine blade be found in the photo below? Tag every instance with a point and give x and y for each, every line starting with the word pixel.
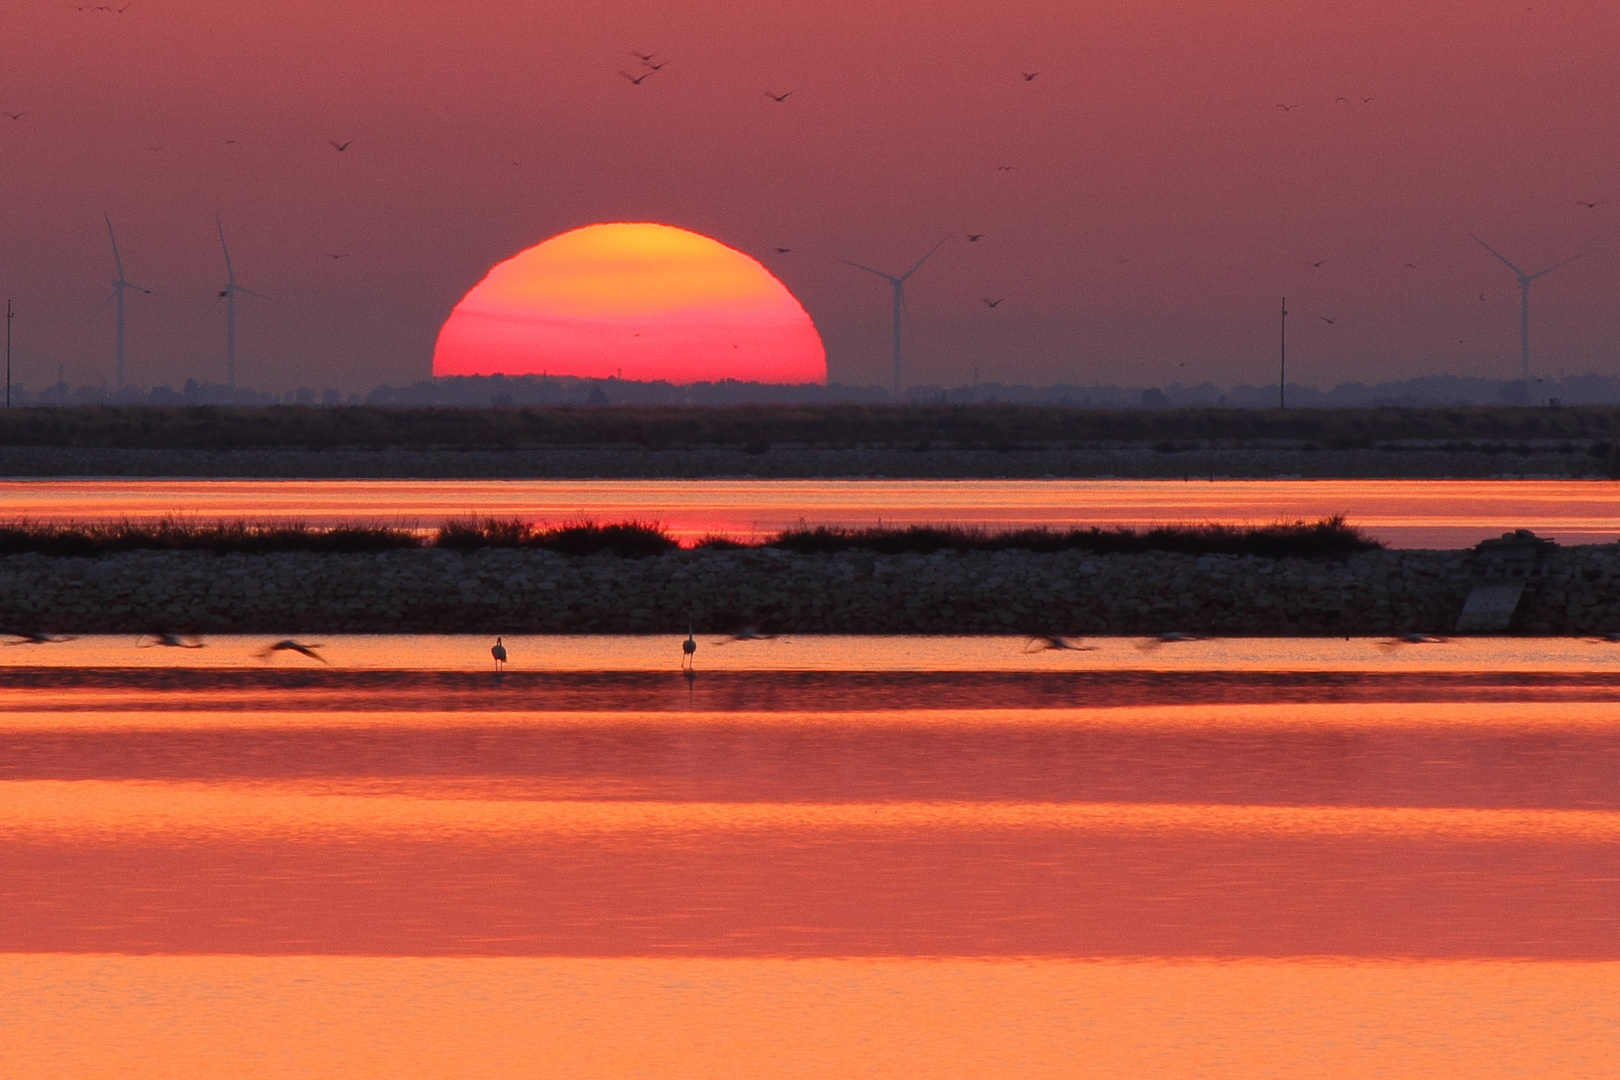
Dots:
pixel 925 258
pixel 1499 255
pixel 110 298
pixel 117 262
pixel 230 275
pixel 869 270
pixel 1550 269
pixel 905 309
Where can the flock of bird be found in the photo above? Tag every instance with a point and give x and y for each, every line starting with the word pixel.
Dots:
pixel 689 647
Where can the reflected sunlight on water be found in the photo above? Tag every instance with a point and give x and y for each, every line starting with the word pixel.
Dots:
pixel 819 856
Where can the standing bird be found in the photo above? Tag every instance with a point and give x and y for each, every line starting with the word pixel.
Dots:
pixel 688 648
pixel 498 651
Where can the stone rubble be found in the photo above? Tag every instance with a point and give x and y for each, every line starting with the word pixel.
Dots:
pixel 1015 592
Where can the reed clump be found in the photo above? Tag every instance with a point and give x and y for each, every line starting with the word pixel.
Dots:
pixel 1329 537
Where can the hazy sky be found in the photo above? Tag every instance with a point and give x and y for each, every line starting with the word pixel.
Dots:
pixel 1158 205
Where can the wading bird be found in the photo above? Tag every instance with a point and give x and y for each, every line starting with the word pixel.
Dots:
pixel 289 645
pixel 688 648
pixel 498 651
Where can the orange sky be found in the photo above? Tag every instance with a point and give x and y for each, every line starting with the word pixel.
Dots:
pixel 1159 204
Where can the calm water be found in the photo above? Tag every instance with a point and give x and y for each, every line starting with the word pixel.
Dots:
pixel 1403 513
pixel 817 857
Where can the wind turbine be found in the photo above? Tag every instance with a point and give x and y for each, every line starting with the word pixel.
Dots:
pixel 899 284
pixel 228 294
pixel 119 286
pixel 1524 301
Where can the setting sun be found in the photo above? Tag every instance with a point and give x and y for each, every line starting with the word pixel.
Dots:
pixel 635 300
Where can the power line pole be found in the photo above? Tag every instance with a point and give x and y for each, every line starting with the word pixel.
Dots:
pixel 9 314
pixel 1282 364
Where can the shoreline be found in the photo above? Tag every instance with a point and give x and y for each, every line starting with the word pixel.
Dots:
pixel 1014 592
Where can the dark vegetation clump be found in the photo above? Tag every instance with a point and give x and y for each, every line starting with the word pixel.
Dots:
pixel 627 540
pixel 1328 538
pixel 222 538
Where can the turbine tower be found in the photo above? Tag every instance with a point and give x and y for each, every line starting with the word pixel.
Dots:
pixel 228 294
pixel 1524 301
pixel 899 284
pixel 119 286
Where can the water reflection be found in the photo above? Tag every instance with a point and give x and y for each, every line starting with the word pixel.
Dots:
pixel 1402 513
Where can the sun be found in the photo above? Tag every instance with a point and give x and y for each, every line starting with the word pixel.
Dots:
pixel 635 300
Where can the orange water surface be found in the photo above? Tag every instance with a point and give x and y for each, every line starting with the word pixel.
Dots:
pixel 815 857
pixel 1402 513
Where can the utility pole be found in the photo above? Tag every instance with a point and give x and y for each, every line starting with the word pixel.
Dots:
pixel 1282 364
pixel 9 314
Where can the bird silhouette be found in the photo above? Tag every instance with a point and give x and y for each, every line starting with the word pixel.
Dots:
pixel 1410 266
pixel 778 98
pixel 1368 100
pixel 1049 642
pixel 644 57
pixel 340 146
pixel 784 251
pixel 289 645
pixel 1029 76
pixel 650 66
pixel 1006 168
pixel 975 237
pixel 1582 202
pixel 1398 640
pixel 331 256
pixel 171 641
pixel 1327 320
pixel 637 80
pixel 37 638
pixel 1339 99
pixel 989 303
pixel 498 651
pixel 1287 108
pixel 1319 265
pixel 688 648
pixel 1169 637
pixel 14 115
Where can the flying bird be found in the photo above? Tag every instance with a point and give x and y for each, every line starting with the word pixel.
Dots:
pixel 171 641
pixel 36 638
pixel 638 80
pixel 784 251
pixel 1029 76
pixel 1319 265
pixel 340 146
pixel 289 645
pixel 331 256
pixel 1343 99
pixel 644 57
pixel 778 98
pixel 1582 202
pixel 1287 108
pixel 1368 100
pixel 1327 320
pixel 14 115
pixel 1410 266
pixel 975 237
pixel 989 303
pixel 650 66
pixel 1006 168
pixel 1046 642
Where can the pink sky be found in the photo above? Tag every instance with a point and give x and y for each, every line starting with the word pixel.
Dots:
pixel 1158 205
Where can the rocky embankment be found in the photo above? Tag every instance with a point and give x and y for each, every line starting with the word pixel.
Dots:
pixel 517 590
pixel 1535 458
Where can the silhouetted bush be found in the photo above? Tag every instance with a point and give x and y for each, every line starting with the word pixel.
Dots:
pixel 168 534
pixel 1329 537
pixel 628 540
